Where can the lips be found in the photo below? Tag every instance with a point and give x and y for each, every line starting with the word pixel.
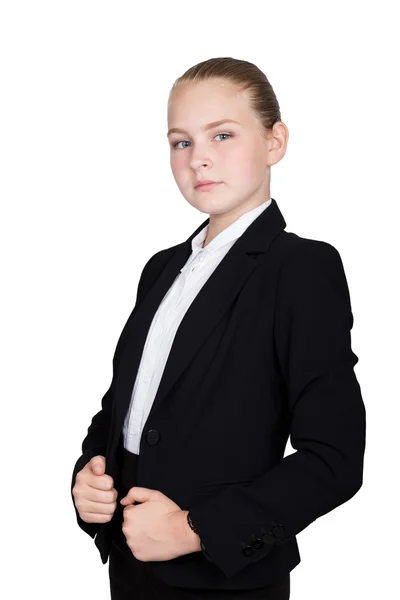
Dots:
pixel 202 185
pixel 204 182
pixel 207 187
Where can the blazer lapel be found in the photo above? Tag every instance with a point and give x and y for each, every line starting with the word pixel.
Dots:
pixel 207 308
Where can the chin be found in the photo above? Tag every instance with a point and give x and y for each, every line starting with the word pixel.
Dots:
pixel 200 205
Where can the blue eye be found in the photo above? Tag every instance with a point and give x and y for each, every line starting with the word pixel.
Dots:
pixel 228 134
pixel 185 141
pixel 176 145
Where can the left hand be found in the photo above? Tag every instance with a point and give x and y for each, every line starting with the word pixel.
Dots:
pixel 155 529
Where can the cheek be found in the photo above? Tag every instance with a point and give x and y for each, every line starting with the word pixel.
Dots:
pixel 178 167
pixel 238 163
pixel 230 159
pixel 252 162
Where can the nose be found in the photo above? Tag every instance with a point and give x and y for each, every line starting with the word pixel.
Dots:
pixel 200 158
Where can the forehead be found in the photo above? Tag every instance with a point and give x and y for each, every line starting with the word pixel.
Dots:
pixel 203 104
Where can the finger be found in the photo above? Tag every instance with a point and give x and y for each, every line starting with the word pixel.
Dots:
pixel 98 464
pixel 140 495
pixel 129 497
pixel 95 517
pixel 127 508
pixel 105 482
pixel 98 508
pixel 96 495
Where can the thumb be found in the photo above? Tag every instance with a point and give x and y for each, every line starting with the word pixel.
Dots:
pixel 98 464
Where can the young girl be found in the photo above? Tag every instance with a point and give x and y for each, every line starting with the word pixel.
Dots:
pixel 240 337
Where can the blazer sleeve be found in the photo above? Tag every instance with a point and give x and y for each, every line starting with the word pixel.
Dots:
pixel 312 323
pixel 95 442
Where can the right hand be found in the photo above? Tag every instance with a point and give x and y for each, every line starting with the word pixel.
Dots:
pixel 94 494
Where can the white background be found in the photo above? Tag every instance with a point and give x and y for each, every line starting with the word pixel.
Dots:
pixel 87 196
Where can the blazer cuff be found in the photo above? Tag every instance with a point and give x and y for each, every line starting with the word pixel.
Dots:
pixel 221 539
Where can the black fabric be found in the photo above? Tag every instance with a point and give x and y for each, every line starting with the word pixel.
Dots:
pixel 131 579
pixel 262 353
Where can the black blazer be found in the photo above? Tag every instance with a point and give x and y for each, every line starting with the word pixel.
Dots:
pixel 263 352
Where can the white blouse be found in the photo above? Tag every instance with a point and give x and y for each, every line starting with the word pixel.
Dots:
pixel 198 268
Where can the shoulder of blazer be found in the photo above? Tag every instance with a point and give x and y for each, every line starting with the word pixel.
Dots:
pixel 307 265
pixel 160 258
pixel 151 271
pixel 155 265
pixel 287 245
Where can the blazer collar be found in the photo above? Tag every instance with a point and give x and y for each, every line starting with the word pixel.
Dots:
pixel 258 235
pixel 229 235
pixel 208 307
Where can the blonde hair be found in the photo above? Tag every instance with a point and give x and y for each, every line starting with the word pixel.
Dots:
pixel 246 76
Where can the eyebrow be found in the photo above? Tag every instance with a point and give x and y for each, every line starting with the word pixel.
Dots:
pixel 206 127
